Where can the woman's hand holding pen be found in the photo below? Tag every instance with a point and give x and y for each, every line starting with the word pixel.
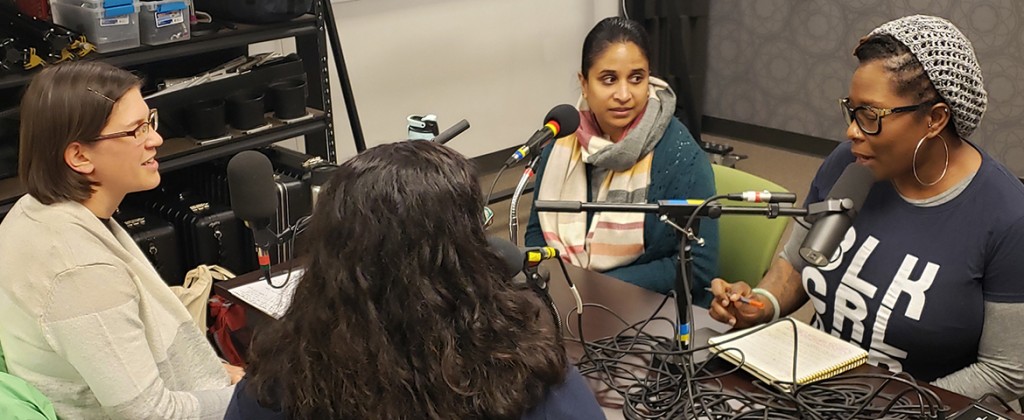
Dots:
pixel 736 305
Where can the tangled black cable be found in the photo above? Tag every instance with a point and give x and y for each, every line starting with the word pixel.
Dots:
pixel 654 378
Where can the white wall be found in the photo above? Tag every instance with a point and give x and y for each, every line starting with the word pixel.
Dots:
pixel 499 64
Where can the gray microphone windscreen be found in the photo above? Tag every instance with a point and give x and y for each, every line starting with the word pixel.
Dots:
pixel 854 183
pixel 509 252
pixel 252 188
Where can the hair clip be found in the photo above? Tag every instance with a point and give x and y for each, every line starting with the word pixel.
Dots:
pixel 101 95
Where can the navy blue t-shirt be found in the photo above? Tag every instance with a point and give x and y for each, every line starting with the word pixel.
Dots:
pixel 570 400
pixel 911 282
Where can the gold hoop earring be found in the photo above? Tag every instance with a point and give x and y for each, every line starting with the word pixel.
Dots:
pixel 944 167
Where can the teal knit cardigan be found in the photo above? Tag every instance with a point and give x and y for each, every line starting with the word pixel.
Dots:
pixel 679 169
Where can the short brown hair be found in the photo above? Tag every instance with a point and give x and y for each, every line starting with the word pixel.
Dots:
pixel 65 103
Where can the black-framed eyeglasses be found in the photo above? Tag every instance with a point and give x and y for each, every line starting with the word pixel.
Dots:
pixel 139 133
pixel 869 118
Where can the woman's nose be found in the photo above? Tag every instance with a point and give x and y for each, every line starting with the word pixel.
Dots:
pixel 622 92
pixel 154 139
pixel 853 132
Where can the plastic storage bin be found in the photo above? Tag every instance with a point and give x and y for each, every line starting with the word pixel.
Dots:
pixel 163 21
pixel 110 25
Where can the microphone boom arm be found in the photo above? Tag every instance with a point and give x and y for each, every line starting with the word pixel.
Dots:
pixel 826 207
pixel 676 213
pixel 293 230
pixel 678 210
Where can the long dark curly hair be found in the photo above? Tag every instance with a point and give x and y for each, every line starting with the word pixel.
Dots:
pixel 402 311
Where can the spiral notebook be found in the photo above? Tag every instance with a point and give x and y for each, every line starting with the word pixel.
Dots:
pixel 768 353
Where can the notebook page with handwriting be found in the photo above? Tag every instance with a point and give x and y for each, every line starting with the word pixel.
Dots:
pixel 271 301
pixel 768 353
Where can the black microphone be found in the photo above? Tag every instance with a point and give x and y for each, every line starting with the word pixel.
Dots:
pixel 561 121
pixel 828 230
pixel 518 259
pixel 763 197
pixel 523 261
pixel 513 257
pixel 253 197
pixel 451 132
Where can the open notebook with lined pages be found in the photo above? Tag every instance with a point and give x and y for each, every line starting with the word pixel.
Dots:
pixel 768 353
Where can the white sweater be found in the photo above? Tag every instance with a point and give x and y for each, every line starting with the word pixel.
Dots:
pixel 86 319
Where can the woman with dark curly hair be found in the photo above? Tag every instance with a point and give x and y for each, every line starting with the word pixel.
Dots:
pixel 402 311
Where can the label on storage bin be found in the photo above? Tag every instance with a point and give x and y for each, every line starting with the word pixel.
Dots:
pixel 169 18
pixel 116 21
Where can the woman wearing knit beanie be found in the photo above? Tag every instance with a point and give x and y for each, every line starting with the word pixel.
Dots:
pixel 930 277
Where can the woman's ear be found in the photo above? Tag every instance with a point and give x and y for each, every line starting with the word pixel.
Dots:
pixel 583 84
pixel 938 117
pixel 76 157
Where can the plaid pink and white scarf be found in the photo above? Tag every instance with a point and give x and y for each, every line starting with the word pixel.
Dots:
pixel 613 239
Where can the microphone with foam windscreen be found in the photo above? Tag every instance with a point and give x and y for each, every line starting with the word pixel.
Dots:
pixel 254 198
pixel 561 121
pixel 828 230
pixel 518 259
pixel 511 254
pixel 525 261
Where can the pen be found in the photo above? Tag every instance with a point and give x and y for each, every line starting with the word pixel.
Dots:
pixel 746 300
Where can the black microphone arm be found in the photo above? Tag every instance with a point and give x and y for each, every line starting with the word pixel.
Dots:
pixel 291 231
pixel 674 212
pixel 676 209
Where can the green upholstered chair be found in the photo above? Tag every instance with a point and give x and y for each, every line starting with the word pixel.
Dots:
pixel 19 400
pixel 746 243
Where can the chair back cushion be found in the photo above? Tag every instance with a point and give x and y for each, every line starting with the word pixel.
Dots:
pixel 19 400
pixel 747 244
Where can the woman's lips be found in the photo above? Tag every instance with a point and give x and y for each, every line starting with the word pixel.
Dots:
pixel 620 112
pixel 862 158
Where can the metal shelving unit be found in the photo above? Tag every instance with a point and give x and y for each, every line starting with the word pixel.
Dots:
pixel 310 33
pixel 304 26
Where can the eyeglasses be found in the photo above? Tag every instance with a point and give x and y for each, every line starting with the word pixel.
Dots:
pixel 869 118
pixel 139 133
